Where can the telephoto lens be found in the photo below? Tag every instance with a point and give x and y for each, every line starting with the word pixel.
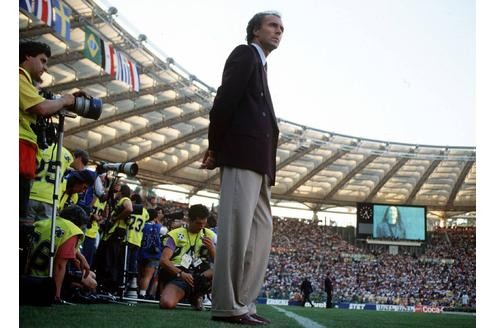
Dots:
pixel 129 168
pixel 87 107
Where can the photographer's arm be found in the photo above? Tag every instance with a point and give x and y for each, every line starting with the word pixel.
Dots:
pixel 83 264
pixel 172 269
pixel 50 107
pixel 124 214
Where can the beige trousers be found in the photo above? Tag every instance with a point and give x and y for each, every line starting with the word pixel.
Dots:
pixel 244 241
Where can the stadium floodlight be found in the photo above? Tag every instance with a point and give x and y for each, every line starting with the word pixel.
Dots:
pixel 112 11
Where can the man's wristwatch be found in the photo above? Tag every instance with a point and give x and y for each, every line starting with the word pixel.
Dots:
pixel 179 273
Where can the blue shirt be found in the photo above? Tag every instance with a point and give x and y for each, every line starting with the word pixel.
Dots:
pixel 151 246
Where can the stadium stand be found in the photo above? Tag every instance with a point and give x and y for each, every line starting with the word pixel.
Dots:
pixel 440 276
pixel 163 127
pixel 161 123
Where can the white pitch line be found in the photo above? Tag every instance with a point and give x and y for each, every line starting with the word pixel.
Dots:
pixel 461 313
pixel 305 322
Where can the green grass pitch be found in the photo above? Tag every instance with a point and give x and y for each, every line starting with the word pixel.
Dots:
pixel 149 315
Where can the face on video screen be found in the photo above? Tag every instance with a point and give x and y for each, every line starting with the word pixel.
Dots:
pixel 398 222
pixel 393 215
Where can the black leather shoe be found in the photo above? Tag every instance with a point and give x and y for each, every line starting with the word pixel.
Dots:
pixel 244 319
pixel 259 318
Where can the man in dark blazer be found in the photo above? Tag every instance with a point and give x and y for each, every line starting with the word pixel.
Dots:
pixel 306 290
pixel 328 290
pixel 243 137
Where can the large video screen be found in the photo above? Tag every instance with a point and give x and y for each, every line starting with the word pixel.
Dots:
pixel 399 222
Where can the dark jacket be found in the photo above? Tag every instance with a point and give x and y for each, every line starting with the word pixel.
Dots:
pixel 328 285
pixel 306 287
pixel 243 130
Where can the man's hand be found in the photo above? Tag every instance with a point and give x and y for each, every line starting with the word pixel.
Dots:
pixel 81 93
pixel 67 100
pixel 208 244
pixel 209 161
pixel 100 219
pixel 187 277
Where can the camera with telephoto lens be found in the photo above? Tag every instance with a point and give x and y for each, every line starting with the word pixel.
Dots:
pixel 87 107
pixel 46 131
pixel 129 168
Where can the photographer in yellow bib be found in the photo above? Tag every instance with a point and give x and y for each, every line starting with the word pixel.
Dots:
pixel 69 234
pixel 186 261
pixel 41 196
pixel 110 253
pixel 33 63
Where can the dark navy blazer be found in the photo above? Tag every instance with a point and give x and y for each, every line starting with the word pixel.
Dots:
pixel 243 130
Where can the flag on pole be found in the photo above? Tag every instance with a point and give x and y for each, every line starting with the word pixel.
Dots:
pixel 61 18
pixel 135 83
pixel 26 5
pixel 92 46
pixel 115 63
pixel 42 9
pixel 109 59
pixel 127 71
pixel 121 67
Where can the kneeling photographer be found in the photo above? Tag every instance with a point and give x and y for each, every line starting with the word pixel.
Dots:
pixel 70 226
pixel 34 108
pixel 185 263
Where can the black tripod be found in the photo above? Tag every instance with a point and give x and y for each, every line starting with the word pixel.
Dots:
pixel 127 276
pixel 123 285
pixel 105 280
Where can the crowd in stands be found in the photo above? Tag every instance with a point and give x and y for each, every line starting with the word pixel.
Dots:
pixel 444 275
pixel 87 210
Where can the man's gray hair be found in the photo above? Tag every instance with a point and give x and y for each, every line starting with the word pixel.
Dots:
pixel 256 21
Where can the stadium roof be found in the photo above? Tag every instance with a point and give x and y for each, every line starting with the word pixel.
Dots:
pixel 163 127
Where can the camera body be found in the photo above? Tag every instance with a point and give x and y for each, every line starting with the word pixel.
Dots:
pixel 46 131
pixel 83 106
pixel 202 285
